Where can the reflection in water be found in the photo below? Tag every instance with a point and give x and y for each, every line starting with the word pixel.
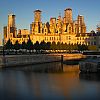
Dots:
pixel 27 85
pixel 90 76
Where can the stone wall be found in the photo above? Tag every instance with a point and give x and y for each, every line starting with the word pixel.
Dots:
pixel 15 60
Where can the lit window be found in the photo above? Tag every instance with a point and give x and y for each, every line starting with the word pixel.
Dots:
pixel 45 30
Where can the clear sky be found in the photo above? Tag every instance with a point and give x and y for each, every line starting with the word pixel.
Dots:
pixel 23 9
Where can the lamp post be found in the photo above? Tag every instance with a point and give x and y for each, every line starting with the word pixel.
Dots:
pixel 3 54
pixel 3 48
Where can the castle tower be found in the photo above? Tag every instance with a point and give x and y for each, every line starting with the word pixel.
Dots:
pixel 68 15
pixel 81 24
pixel 52 25
pixel 59 24
pixel 37 16
pixel 11 28
pixel 36 26
pixel 80 20
pixel 11 20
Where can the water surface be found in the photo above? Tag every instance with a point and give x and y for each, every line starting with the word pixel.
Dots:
pixel 25 84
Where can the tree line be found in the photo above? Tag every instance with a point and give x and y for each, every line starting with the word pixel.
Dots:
pixel 44 46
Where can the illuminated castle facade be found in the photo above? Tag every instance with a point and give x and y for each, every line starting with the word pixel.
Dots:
pixel 61 29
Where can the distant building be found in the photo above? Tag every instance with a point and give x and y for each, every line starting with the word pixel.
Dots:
pixel 61 29
pixel 98 37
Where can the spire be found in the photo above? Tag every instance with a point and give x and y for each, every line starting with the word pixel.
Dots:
pixel 10 13
pixel 59 13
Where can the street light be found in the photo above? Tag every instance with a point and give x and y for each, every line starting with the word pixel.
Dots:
pixel 3 48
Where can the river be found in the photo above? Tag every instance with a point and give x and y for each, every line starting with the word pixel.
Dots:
pixel 67 84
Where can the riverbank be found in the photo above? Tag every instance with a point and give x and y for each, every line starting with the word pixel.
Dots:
pixel 19 60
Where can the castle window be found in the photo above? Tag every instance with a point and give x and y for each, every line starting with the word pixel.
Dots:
pixel 69 37
pixel 52 38
pixel 69 29
pixel 45 30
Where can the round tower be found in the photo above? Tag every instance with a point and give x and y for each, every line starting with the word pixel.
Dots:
pixel 11 20
pixel 11 28
pixel 37 16
pixel 80 20
pixel 68 15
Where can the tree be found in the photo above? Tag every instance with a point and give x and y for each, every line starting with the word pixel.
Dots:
pixel 70 47
pixel 23 45
pixel 58 45
pixel 48 45
pixel 82 47
pixel 75 47
pixel 62 46
pixel 8 45
pixel 43 45
pixel 29 45
pixel 53 46
pixel 16 45
pixel 37 46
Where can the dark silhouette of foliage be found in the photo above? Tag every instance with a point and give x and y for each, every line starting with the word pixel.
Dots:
pixel 37 46
pixel 23 45
pixel 16 45
pixel 82 47
pixel 8 45
pixel 29 45
pixel 48 45
pixel 53 46
pixel 43 45
pixel 58 46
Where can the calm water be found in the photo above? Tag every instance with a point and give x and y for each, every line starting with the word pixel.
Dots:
pixel 25 84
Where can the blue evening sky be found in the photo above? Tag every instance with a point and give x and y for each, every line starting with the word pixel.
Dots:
pixel 23 9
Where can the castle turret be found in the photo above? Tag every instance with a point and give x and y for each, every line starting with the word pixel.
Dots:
pixel 37 16
pixel 11 28
pixel 68 15
pixel 81 24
